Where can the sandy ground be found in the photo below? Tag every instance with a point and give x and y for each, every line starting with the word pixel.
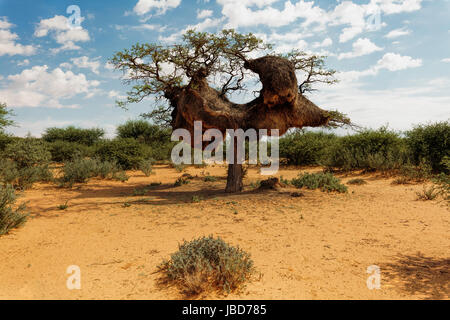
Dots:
pixel 318 246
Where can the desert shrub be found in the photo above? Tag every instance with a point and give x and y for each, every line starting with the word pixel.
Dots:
pixel 305 148
pixel 157 137
pixel 368 150
pixel 128 153
pixel 210 179
pixel 146 167
pixel 25 162
pixel 27 152
pixel 72 134
pixel 5 139
pixel 357 181
pixel 62 151
pixel 325 181
pixel 181 181
pixel 10 216
pixel 207 264
pixel 80 170
pixel 416 173
pixel 428 193
pixel 430 143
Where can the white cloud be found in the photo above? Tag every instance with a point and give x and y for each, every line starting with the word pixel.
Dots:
pixel 85 62
pixel 325 43
pixel 116 95
pixel 447 60
pixel 397 33
pixel 8 41
pixel 204 14
pixel 39 87
pixel 390 61
pixel 23 63
pixel 145 6
pixel 63 32
pixel 199 27
pixel 361 47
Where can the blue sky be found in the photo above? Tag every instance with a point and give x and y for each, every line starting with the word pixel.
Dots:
pixel 393 56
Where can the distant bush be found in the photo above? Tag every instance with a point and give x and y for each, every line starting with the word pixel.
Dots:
pixel 128 152
pixel 207 264
pixel 80 170
pixel 72 134
pixel 325 181
pixel 430 143
pixel 62 151
pixel 5 139
pixel 157 137
pixel 305 148
pixel 368 150
pixel 25 162
pixel 10 216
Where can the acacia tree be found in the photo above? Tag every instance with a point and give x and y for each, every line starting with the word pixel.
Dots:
pixel 181 77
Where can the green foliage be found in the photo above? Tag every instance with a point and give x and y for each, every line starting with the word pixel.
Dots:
pixel 80 170
pixel 357 181
pixel 128 152
pixel 210 179
pixel 72 134
pixel 430 143
pixel 368 150
pixel 207 264
pixel 305 148
pixel 428 193
pixel 196 199
pixel 146 167
pixel 25 162
pixel 325 181
pixel 63 206
pixel 181 181
pixel 10 216
pixel 62 151
pixel 27 152
pixel 157 137
pixel 4 120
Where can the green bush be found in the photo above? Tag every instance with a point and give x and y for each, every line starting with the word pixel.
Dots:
pixel 10 217
pixel 146 167
pixel 368 150
pixel 25 162
pixel 430 143
pixel 62 151
pixel 27 152
pixel 128 153
pixel 158 138
pixel 72 134
pixel 305 148
pixel 80 170
pixel 325 181
pixel 207 264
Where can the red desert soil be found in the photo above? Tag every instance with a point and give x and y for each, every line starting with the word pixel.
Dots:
pixel 313 247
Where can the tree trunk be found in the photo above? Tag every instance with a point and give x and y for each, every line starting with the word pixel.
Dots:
pixel 234 179
pixel 235 174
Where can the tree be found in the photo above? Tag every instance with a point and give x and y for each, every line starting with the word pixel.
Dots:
pixel 179 77
pixel 4 120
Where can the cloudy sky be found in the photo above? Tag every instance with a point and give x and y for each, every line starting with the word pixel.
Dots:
pixel 393 56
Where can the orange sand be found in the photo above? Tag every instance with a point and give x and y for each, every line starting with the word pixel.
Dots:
pixel 313 247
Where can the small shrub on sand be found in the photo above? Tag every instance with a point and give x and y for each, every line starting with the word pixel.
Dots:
pixel 10 217
pixel 146 167
pixel 357 181
pixel 428 193
pixel 180 181
pixel 325 181
pixel 207 264
pixel 210 179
